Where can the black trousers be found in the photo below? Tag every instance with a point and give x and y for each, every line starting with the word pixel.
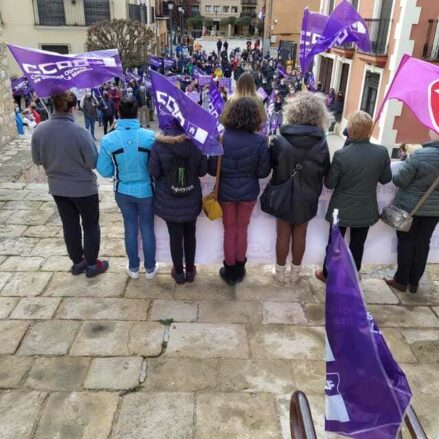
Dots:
pixel 74 211
pixel 182 236
pixel 356 244
pixel 107 122
pixel 413 249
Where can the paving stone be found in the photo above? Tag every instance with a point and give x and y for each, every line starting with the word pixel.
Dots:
pixel 11 194
pixel 16 246
pixel 41 231
pixel 37 308
pixel 236 415
pixel 38 196
pixel 283 312
pixel 398 345
pixel 57 374
pixel 11 333
pixel 12 370
pixel 22 263
pixel 26 284
pixel 117 373
pixel 207 340
pixel 52 337
pixel 268 376
pixel 99 339
pixel 57 263
pixel 404 316
pixel 103 309
pixel 77 416
pixel 30 218
pixel 161 287
pixel 146 339
pixel 4 277
pixel 205 287
pixel 23 205
pixel 309 376
pixel 180 374
pixel 424 343
pixel 10 231
pixel 7 304
pixel 5 215
pixel 50 247
pixel 289 342
pixel 230 312
pixel 423 378
pixel 177 310
pixel 19 412
pixel 112 247
pixel 156 415
pixel 425 295
pixel 106 285
pixel 426 409
pixel 314 313
pixel 377 291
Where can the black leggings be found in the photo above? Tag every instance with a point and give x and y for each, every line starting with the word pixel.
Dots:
pixel 182 235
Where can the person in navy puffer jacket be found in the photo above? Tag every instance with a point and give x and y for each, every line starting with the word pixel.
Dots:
pixel 246 160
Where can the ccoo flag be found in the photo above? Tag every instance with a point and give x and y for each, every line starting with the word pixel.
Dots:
pixel 416 83
pixel 367 394
pixel 51 73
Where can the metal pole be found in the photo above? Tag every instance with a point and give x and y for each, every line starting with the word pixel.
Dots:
pixel 170 29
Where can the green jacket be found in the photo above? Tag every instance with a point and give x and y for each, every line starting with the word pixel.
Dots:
pixel 415 177
pixel 355 171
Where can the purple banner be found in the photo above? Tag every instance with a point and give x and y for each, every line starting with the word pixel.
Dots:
pixel 172 103
pixel 204 80
pixel 226 83
pixel 173 79
pixel 261 93
pixel 198 72
pixel 281 71
pixel 147 82
pixel 216 104
pixel 132 76
pixel 155 61
pixel 367 393
pixel 50 73
pixel 20 86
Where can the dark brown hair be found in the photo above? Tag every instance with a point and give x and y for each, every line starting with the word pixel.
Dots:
pixel 64 101
pixel 243 114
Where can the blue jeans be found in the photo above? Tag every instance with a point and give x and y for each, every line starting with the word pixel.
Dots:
pixel 138 212
pixel 90 125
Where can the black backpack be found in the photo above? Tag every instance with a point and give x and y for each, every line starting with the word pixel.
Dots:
pixel 181 177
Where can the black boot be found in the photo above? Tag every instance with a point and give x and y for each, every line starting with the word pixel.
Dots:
pixel 227 273
pixel 240 271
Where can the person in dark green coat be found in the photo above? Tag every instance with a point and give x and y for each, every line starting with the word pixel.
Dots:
pixel 414 178
pixel 354 174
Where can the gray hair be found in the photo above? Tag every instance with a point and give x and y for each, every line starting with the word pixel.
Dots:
pixel 306 108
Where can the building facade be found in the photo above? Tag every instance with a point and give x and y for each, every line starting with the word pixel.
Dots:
pixel 396 27
pixel 61 25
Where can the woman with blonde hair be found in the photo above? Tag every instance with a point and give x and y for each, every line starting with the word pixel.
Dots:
pixel 300 150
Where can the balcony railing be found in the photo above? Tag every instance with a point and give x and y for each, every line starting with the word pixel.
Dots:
pixel 379 32
pixel 431 46
pixel 78 13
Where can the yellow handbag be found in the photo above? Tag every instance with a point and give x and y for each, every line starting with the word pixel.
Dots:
pixel 211 206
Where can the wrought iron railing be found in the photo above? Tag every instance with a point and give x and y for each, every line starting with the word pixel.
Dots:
pixel 431 46
pixel 379 33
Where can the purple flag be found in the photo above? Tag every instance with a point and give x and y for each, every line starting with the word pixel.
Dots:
pixel 204 80
pixel 20 86
pixel 344 25
pixel 173 79
pixel 131 76
pixel 226 83
pixel 270 124
pixel 281 71
pixel 310 81
pixel 147 82
pixel 155 61
pixel 50 73
pixel 367 393
pixel 169 63
pixel 416 83
pixel 262 94
pixel 198 72
pixel 216 104
pixel 172 103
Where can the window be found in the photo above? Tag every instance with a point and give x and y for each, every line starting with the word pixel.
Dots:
pixel 330 6
pixel 370 92
pixel 51 13
pixel 134 12
pixel 249 10
pixel 195 9
pixel 226 9
pixel 234 9
pixel 96 11
pixel 63 49
pixel 208 8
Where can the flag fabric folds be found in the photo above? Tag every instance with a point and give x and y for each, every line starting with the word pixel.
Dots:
pixel 416 83
pixel 367 393
pixel 50 73
pixel 173 104
pixel 262 94
pixel 20 86
pixel 216 101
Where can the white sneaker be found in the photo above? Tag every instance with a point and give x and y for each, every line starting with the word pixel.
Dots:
pixel 296 272
pixel 280 273
pixel 132 274
pixel 153 274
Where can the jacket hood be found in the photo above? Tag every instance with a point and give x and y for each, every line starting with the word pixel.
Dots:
pixel 183 149
pixel 302 136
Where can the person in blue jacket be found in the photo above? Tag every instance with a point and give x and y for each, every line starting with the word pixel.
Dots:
pixel 124 155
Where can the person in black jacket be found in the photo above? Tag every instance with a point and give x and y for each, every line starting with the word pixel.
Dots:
pixel 301 148
pixel 180 213
pixel 245 161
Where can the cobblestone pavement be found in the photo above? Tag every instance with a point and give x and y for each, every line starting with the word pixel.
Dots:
pixel 117 358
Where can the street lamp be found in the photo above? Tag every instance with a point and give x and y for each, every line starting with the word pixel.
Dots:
pixel 170 8
pixel 181 11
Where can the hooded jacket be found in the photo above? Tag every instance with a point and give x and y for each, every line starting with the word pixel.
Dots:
pixel 166 206
pixel 306 146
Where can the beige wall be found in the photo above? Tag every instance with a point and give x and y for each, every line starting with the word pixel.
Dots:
pixel 220 4
pixel 8 128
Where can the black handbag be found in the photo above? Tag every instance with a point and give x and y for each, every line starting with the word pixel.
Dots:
pixel 277 199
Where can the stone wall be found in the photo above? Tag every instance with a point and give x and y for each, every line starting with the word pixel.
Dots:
pixel 8 129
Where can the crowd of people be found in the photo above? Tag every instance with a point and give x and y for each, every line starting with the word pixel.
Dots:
pixel 159 173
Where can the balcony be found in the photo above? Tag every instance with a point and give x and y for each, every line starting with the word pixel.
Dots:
pixel 379 33
pixel 70 13
pixel 346 50
pixel 249 2
pixel 431 45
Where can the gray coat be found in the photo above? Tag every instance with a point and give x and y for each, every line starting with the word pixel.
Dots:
pixel 354 174
pixel 415 177
pixel 68 154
